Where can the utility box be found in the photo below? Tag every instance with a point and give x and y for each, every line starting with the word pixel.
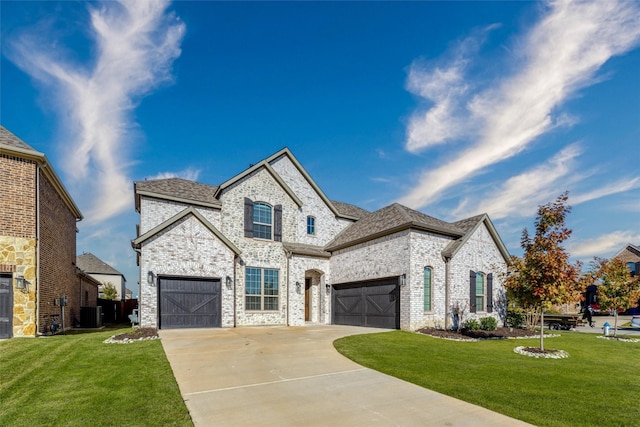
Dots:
pixel 91 317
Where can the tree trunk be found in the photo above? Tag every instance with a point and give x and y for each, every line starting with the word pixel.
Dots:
pixel 542 329
pixel 615 323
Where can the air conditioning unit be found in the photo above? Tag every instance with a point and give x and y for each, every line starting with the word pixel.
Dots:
pixel 91 317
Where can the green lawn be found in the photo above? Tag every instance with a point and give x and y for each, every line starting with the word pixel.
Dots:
pixel 598 385
pixel 77 380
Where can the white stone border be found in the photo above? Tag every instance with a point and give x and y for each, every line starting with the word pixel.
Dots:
pixel 619 339
pixel 557 354
pixel 111 340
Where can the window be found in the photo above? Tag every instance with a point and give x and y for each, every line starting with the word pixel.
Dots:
pixel 480 291
pixel 261 289
pixel 311 226
pixel 262 221
pixel 427 288
pixel 631 266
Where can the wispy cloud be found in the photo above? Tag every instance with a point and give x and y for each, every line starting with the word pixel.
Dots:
pixel 520 195
pixel 136 43
pixel 605 245
pixel 560 55
pixel 189 174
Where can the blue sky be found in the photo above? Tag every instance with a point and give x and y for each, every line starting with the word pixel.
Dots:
pixel 451 108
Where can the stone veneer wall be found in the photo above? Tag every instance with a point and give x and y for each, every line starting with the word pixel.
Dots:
pixel 57 258
pixel 18 237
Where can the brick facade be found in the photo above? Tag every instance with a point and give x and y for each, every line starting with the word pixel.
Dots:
pixel 37 237
pixel 189 249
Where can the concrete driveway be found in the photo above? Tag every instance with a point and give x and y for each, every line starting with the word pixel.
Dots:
pixel 292 376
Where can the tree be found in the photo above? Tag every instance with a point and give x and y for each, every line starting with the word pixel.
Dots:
pixel 544 276
pixel 109 291
pixel 616 288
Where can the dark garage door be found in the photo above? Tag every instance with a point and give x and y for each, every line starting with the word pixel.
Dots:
pixel 374 304
pixel 189 303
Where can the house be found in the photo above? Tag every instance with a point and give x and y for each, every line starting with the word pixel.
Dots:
pixel 103 273
pixel 268 247
pixel 37 243
pixel 630 255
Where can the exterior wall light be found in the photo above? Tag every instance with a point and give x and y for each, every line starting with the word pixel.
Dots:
pixel 328 288
pixel 151 278
pixel 298 287
pixel 229 282
pixel 403 279
pixel 22 284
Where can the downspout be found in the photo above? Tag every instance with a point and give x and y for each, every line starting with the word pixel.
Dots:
pixel 37 247
pixel 288 254
pixel 446 292
pixel 235 290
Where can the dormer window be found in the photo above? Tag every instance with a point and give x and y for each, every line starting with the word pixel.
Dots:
pixel 311 226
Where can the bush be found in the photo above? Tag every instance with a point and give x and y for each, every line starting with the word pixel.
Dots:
pixel 515 319
pixel 488 324
pixel 472 325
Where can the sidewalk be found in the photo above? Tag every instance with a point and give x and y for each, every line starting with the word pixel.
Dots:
pixel 601 320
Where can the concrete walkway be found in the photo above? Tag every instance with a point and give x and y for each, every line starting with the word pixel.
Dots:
pixel 292 376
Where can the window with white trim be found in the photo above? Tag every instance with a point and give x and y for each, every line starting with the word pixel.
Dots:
pixel 261 289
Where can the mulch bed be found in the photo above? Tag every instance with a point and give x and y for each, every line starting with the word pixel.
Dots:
pixel 500 333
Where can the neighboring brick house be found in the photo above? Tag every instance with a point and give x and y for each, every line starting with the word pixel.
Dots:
pixel 267 247
pixel 37 242
pixel 104 274
pixel 630 254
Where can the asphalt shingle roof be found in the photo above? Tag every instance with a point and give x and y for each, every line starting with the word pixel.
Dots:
pixel 349 210
pixel 7 138
pixel 89 263
pixel 180 188
pixel 392 218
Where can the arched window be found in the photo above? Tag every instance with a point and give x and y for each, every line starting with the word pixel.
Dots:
pixel 262 221
pixel 428 287
pixel 480 291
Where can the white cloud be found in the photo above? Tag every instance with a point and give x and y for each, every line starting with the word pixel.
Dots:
pixel 135 44
pixel 560 55
pixel 188 174
pixel 612 188
pixel 520 195
pixel 606 245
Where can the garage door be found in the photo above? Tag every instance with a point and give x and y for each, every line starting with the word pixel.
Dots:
pixel 374 304
pixel 189 303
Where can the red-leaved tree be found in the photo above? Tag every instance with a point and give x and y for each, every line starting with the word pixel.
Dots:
pixel 544 276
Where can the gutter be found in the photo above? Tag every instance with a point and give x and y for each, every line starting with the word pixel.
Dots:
pixel 38 247
pixel 446 291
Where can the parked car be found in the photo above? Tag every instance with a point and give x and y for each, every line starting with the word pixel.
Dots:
pixel 635 322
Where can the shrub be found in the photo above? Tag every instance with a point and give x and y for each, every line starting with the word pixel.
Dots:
pixel 488 324
pixel 515 319
pixel 472 325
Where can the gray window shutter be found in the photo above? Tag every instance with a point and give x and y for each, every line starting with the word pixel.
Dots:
pixel 490 293
pixel 472 291
pixel 277 223
pixel 248 217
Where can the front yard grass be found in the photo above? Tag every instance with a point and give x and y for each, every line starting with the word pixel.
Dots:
pixel 77 380
pixel 597 385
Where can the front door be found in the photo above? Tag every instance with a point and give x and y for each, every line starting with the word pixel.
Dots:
pixel 6 306
pixel 307 300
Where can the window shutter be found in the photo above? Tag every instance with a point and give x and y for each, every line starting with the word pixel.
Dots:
pixel 490 293
pixel 277 223
pixel 472 291
pixel 248 217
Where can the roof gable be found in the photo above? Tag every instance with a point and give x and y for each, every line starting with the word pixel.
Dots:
pixel 470 225
pixel 177 190
pixel 169 222
pixel 13 146
pixel 89 263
